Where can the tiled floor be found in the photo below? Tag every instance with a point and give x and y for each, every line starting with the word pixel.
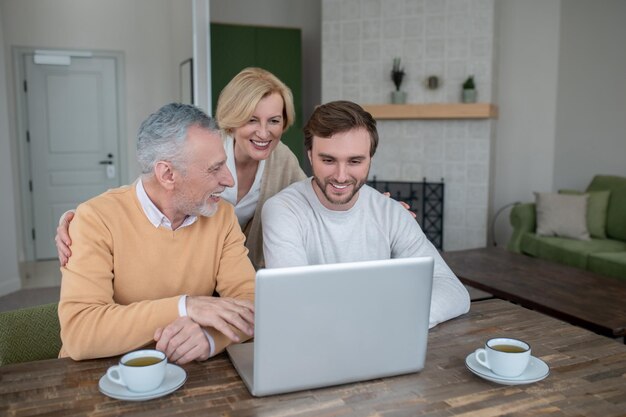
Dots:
pixel 40 285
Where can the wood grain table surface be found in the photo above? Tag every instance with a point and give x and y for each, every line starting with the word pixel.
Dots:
pixel 580 297
pixel 587 378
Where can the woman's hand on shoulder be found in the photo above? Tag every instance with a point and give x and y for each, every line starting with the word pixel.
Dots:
pixel 62 238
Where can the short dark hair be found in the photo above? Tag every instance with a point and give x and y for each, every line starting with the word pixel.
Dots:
pixel 338 117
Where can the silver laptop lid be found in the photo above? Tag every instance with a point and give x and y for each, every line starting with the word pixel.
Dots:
pixel 330 324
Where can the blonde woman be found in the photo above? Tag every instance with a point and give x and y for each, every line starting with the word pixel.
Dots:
pixel 253 110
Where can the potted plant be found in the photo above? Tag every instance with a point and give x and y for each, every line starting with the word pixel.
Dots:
pixel 397 74
pixel 469 90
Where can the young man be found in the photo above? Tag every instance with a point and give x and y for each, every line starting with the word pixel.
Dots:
pixel 147 258
pixel 335 217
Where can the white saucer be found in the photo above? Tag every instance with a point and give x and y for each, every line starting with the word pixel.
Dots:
pixel 535 371
pixel 175 377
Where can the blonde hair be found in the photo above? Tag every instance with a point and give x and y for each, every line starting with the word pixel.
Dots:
pixel 241 95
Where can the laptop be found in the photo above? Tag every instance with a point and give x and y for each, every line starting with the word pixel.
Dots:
pixel 323 325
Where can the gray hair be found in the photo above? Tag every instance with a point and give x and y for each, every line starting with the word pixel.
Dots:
pixel 162 135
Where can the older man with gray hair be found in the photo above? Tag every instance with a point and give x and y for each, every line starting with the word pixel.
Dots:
pixel 147 258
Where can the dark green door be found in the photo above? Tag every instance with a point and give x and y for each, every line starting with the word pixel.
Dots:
pixel 278 50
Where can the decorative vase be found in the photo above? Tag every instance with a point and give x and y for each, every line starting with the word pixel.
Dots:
pixel 398 97
pixel 469 96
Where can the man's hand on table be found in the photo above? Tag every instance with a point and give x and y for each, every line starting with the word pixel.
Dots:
pixel 183 341
pixel 221 313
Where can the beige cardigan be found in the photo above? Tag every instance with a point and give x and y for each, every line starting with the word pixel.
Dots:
pixel 281 170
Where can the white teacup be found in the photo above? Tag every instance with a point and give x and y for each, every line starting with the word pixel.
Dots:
pixel 504 356
pixel 139 371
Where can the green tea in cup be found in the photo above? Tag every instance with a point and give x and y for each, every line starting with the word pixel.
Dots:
pixel 504 356
pixel 143 361
pixel 508 348
pixel 139 371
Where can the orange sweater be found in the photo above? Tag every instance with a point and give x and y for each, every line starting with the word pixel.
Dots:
pixel 125 276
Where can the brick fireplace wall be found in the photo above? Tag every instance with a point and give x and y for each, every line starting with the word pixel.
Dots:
pixel 451 39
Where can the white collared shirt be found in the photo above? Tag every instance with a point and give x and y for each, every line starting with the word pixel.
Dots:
pixel 157 218
pixel 152 212
pixel 244 209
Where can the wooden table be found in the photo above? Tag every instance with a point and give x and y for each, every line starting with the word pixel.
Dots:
pixel 577 296
pixel 587 378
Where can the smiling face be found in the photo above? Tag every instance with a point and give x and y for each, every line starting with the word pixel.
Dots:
pixel 199 185
pixel 260 135
pixel 340 167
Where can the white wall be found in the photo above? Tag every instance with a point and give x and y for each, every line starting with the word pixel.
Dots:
pixel 591 101
pixel 142 29
pixel 562 98
pixel 9 273
pixel 528 54
pixel 155 36
pixel 151 35
pixel 550 54
pixel 452 40
pixel 181 45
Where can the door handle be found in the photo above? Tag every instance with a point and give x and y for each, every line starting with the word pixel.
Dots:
pixel 107 162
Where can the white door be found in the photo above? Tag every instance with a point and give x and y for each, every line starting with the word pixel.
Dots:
pixel 74 143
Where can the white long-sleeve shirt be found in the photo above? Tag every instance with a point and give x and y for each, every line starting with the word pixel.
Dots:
pixel 298 230
pixel 244 208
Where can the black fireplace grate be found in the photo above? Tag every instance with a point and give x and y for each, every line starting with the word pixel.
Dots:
pixel 426 201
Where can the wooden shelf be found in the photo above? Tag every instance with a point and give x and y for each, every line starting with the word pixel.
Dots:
pixel 433 111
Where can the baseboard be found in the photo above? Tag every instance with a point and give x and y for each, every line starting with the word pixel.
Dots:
pixel 10 285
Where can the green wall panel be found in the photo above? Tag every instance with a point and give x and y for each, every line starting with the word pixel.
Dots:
pixel 278 50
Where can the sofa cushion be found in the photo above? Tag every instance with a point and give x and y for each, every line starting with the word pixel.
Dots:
pixel 562 215
pixel 596 211
pixel 615 218
pixel 568 251
pixel 612 264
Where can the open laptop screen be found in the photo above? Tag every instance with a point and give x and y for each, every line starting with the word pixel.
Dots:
pixel 331 324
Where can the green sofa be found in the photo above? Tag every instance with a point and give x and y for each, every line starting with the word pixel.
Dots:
pixel 602 255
